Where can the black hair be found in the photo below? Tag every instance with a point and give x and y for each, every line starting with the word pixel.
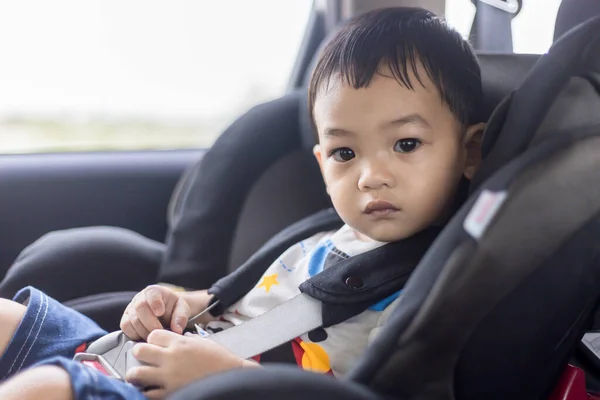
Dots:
pixel 401 38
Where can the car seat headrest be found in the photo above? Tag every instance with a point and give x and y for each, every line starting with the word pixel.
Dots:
pixel 572 13
pixel 553 98
pixel 307 133
pixel 500 75
pixel 308 136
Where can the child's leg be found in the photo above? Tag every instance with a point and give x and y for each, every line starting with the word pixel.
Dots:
pixel 36 327
pixel 11 314
pixel 46 382
pixel 38 343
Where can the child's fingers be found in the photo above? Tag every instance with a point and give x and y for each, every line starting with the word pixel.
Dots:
pixel 148 353
pixel 179 318
pixel 127 327
pixel 162 337
pixel 145 376
pixel 155 394
pixel 154 298
pixel 147 317
pixel 139 328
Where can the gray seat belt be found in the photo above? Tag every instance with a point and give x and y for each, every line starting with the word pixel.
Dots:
pixel 492 28
pixel 273 328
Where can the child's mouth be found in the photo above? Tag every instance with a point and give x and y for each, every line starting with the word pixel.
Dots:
pixel 380 208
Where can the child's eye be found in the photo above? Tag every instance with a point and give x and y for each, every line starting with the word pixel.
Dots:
pixel 342 154
pixel 407 145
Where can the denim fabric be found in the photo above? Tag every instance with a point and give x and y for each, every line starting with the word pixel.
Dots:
pixel 89 384
pixel 50 333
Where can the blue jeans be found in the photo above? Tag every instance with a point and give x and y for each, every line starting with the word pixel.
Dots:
pixel 50 334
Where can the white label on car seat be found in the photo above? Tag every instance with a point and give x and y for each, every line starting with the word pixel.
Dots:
pixel 481 214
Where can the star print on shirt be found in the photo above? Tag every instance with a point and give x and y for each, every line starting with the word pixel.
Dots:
pixel 268 281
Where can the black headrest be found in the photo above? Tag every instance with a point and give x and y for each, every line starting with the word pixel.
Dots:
pixel 500 73
pixel 572 13
pixel 308 135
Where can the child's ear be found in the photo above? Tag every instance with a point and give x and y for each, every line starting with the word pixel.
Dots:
pixel 472 142
pixel 318 155
pixel 317 151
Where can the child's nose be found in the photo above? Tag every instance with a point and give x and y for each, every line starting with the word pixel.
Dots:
pixel 375 175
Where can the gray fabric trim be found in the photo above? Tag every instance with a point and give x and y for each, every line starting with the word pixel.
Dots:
pixel 575 107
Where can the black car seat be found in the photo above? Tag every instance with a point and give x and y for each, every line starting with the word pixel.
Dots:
pixel 498 304
pixel 209 205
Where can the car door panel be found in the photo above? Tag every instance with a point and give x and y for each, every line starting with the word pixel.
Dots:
pixel 40 193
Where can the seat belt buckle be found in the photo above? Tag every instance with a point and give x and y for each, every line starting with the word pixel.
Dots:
pixel 98 363
pixel 590 344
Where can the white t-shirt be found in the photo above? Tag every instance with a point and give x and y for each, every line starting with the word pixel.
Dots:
pixel 331 350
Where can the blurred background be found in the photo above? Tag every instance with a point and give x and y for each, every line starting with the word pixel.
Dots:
pixel 97 75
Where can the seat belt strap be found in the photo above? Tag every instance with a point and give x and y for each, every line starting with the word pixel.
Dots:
pixel 492 25
pixel 281 324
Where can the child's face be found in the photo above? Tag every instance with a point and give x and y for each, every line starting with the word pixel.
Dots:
pixel 391 157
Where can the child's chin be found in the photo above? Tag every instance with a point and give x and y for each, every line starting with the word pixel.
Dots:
pixel 386 234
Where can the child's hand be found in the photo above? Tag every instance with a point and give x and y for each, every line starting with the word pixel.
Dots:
pixel 150 308
pixel 175 360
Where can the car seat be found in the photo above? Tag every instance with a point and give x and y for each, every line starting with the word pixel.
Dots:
pixel 498 304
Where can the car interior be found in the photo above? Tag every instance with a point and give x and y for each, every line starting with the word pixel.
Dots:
pixel 93 228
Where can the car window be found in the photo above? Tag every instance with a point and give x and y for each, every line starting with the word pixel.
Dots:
pixel 532 29
pixel 139 74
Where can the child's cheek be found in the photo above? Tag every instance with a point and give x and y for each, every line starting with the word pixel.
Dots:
pixel 336 169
